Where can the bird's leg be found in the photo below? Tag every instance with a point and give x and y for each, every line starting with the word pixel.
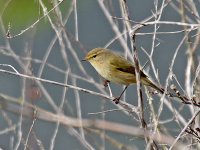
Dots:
pixel 106 82
pixel 116 100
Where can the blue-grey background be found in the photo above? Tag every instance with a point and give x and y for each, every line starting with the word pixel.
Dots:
pixel 94 30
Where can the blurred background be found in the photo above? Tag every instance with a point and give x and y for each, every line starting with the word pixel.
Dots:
pixel 48 39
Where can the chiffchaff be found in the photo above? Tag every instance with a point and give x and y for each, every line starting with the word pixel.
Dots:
pixel 116 68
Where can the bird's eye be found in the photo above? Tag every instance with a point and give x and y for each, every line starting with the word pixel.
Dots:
pixel 94 56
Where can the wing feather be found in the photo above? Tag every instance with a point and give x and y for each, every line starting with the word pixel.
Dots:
pixel 121 64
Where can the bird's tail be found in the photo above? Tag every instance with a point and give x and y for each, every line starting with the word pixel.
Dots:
pixel 148 82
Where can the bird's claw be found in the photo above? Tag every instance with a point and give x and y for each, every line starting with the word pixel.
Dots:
pixel 116 100
pixel 106 82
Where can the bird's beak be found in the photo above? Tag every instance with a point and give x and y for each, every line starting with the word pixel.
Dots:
pixel 84 59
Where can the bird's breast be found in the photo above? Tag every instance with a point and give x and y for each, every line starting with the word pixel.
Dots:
pixel 102 69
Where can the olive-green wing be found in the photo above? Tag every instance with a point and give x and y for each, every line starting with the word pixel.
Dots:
pixel 121 64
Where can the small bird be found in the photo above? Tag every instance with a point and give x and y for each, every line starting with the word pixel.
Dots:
pixel 115 68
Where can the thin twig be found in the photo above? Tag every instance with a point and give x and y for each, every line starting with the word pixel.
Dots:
pixel 183 130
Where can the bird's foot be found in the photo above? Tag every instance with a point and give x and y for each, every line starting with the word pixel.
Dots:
pixel 106 82
pixel 116 100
